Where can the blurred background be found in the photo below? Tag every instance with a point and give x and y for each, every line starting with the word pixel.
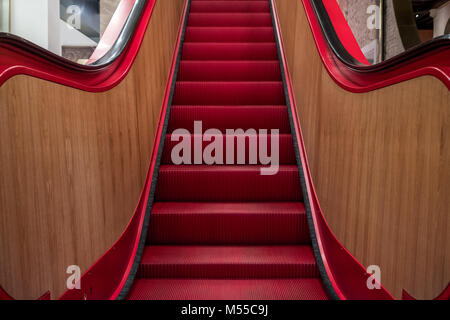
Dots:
pixel 69 28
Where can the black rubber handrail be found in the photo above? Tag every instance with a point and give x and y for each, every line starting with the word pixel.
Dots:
pixel 116 50
pixel 344 56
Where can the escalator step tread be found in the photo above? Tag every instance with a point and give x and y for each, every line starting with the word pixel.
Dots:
pixel 230 6
pixel 214 19
pixel 229 51
pixel 229 93
pixel 229 34
pixel 285 147
pixel 228 231
pixel 228 289
pixel 227 183
pixel 224 117
pixel 219 262
pixel 229 70
pixel 220 223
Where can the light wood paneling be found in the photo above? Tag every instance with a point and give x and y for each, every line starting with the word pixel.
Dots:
pixel 72 164
pixel 380 163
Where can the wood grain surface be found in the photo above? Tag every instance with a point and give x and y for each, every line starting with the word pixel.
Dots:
pixel 72 164
pixel 380 163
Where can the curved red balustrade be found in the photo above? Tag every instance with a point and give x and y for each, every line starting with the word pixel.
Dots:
pixel 346 275
pixel 434 62
pixel 106 278
pixel 102 281
pixel 19 57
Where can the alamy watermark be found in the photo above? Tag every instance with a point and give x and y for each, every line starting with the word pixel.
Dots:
pixel 74 280
pixel 221 148
pixel 374 19
pixel 374 281
pixel 74 16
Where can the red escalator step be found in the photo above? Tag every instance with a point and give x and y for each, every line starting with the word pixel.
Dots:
pixel 229 51
pixel 229 71
pixel 230 20
pixel 230 117
pixel 221 289
pixel 230 6
pixel 215 223
pixel 229 93
pixel 227 231
pixel 285 146
pixel 229 34
pixel 227 183
pixel 221 262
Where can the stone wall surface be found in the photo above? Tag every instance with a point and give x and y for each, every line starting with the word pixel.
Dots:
pixel 392 43
pixel 107 9
pixel 355 11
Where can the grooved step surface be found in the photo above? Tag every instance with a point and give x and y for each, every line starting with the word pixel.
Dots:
pixel 230 6
pixel 228 230
pixel 229 51
pixel 229 34
pixel 229 93
pixel 234 147
pixel 225 289
pixel 215 223
pixel 235 262
pixel 227 183
pixel 224 117
pixel 229 71
pixel 230 20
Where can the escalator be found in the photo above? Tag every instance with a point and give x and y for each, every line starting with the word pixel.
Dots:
pixel 229 209
pixel 225 231
pixel 246 225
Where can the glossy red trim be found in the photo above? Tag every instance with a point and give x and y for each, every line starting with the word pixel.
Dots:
pixel 347 276
pixel 45 296
pixel 106 278
pixel 435 63
pixel 344 31
pixel 113 30
pixel 4 295
pixel 15 61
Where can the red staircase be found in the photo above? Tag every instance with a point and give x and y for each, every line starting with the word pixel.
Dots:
pixel 226 231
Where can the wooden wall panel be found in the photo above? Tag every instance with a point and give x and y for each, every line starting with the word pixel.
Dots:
pixel 72 164
pixel 380 163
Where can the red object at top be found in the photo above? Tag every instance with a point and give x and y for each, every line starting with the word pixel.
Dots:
pixel 344 31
